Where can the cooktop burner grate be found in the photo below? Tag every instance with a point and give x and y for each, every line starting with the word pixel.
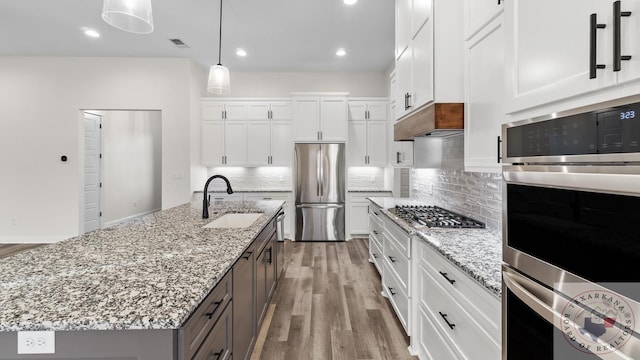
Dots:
pixel 434 216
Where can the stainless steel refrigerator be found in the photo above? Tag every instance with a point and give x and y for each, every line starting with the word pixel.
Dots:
pixel 320 192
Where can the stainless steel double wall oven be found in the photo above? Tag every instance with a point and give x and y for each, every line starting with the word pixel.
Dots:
pixel 571 234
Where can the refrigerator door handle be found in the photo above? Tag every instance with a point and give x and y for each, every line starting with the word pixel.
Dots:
pixel 318 175
pixel 321 174
pixel 323 206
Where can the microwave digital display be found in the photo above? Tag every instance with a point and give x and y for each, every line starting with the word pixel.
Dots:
pixel 608 131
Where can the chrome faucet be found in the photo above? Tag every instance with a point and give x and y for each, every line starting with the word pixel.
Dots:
pixel 206 201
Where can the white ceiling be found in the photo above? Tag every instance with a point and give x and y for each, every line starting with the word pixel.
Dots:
pixel 278 35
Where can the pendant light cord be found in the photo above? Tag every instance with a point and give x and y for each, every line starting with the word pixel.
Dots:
pixel 220 38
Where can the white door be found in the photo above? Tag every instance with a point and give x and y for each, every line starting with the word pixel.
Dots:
pixel 478 13
pixel 258 139
pixel 212 143
pixel 281 110
pixel 235 145
pixel 357 110
pixel 377 111
pixel 548 50
pixel 281 144
pixel 377 143
pixel 305 117
pixel 92 173
pixel 484 109
pixel 422 67
pixel 333 119
pixel 357 144
pixel 404 82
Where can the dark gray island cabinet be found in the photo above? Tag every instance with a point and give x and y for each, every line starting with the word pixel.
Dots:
pixel 223 325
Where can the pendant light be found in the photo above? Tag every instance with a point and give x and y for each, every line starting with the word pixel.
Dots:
pixel 219 75
pixel 129 15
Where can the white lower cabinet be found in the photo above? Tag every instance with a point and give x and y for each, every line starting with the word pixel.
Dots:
pixel 358 212
pixel 458 319
pixel 447 314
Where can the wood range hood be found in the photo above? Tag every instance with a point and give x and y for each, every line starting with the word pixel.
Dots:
pixel 437 119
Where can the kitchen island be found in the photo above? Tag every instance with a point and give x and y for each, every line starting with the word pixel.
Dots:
pixel 148 276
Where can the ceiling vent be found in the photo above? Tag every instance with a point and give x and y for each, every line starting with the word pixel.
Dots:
pixel 179 43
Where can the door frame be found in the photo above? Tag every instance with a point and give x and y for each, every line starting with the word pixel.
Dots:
pixel 83 169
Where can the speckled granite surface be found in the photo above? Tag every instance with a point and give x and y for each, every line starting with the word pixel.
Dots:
pixel 246 191
pixel 148 273
pixel 368 190
pixel 478 252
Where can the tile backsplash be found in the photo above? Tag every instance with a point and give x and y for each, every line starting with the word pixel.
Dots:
pixel 257 178
pixel 477 195
pixel 366 178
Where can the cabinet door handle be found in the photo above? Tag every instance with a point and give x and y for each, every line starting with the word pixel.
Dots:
pixel 444 316
pixel 444 275
pixel 617 50
pixel 593 46
pixel 408 101
pixel 247 255
pixel 499 1
pixel 375 232
pixel 393 259
pixel 398 157
pixel 217 355
pixel 499 142
pixel 217 305
pixel 375 255
pixel 270 258
pixel 393 293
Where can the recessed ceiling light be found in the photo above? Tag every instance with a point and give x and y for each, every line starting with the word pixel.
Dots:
pixel 92 33
pixel 350 2
pixel 341 52
pixel 241 52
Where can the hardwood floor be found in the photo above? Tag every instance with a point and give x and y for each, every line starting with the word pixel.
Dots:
pixel 328 306
pixel 11 249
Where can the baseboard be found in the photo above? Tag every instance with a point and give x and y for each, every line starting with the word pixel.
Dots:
pixel 119 221
pixel 32 239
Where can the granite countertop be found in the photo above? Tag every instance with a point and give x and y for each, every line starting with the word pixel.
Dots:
pixel 477 252
pixel 148 273
pixel 368 190
pixel 246 191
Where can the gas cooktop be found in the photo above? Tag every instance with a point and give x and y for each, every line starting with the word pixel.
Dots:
pixel 434 216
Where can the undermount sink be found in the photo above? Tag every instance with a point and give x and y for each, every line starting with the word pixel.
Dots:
pixel 239 220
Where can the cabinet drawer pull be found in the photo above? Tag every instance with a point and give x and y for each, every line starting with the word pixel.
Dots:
pixel 216 356
pixel 617 50
pixel 393 259
pixel 593 39
pixel 266 198
pixel 247 255
pixel 444 316
pixel 444 275
pixel 393 293
pixel 270 258
pixel 217 305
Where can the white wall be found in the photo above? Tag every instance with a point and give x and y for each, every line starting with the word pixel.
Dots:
pixel 132 164
pixel 257 84
pixel 40 196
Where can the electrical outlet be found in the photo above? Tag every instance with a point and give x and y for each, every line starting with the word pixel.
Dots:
pixel 36 342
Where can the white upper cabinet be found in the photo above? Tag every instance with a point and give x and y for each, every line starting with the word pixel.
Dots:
pixel 368 132
pixel 630 41
pixel 548 54
pixel 478 13
pixel 484 100
pixel 402 154
pixel 320 118
pixel 244 132
pixel 403 25
pixel 269 133
pixel 435 46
